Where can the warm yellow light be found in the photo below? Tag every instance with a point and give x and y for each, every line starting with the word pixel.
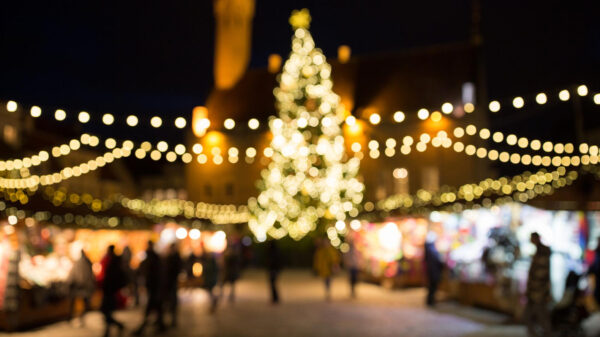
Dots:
pixel 375 118
pixel 471 130
pixel 494 106
pixel 202 158
pixel 400 173
pixel 582 90
pixel 197 148
pixel 399 116
pixel 350 120
pixel 180 149
pixel 180 122
pixel 484 133
pixel 35 111
pixel 60 115
pixel 156 122
pixel 171 156
pixel 459 132
pixel 162 146
pixel 564 95
pixel 253 123
pixel 132 120
pixel 229 124
pixel 518 102
pixel 423 114
pixel 447 108
pixel 436 116
pixel 110 143
pixel 355 147
pixel 11 106
pixel 108 119
pixel 541 98
pixel 250 152
pixel 597 98
pixel 200 121
pixel 344 53
pixel 469 107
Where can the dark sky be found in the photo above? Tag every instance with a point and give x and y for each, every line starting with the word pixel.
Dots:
pixel 156 56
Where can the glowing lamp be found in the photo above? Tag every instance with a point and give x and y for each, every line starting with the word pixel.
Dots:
pixel 344 53
pixel 200 121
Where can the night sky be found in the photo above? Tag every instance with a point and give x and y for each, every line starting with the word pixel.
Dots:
pixel 156 56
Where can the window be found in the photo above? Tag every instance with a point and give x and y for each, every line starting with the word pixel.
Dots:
pixel 229 189
pixel 10 134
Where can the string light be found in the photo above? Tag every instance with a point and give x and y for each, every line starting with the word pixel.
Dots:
pixel 11 106
pixel 156 122
pixel 399 116
pixel 60 115
pixel 35 111
pixel 180 122
pixel 229 123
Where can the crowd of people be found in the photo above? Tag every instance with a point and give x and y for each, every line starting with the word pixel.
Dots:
pixel 160 276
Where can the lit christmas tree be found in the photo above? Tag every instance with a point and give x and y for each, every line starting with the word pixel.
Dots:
pixel 310 181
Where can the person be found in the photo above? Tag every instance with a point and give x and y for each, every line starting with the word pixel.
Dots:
pixel 151 271
pixel 537 315
pixel 433 268
pixel 112 281
pixel 570 311
pixel 326 260
pixel 232 267
pixel 351 261
pixel 173 266
pixel 82 285
pixel 210 275
pixel 273 260
pixel 595 270
pixel 126 257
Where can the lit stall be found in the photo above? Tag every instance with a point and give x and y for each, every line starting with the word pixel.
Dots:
pixel 35 262
pixel 391 252
pixel 488 252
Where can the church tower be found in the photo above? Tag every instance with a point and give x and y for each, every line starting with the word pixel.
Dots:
pixel 232 41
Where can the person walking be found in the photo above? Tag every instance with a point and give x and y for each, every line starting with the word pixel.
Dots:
pixel 537 313
pixel 82 285
pixel 351 262
pixel 232 263
pixel 326 261
pixel 173 265
pixel 273 261
pixel 433 268
pixel 595 270
pixel 112 281
pixel 152 273
pixel 210 276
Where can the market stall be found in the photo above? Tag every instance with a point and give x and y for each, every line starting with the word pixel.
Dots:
pixel 36 259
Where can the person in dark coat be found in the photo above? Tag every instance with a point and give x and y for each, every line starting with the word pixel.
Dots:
pixel 433 268
pixel 273 259
pixel 152 273
pixel 539 297
pixel 210 276
pixel 595 270
pixel 232 266
pixel 173 267
pixel 112 281
pixel 82 284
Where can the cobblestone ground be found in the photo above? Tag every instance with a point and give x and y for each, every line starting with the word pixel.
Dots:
pixel 304 312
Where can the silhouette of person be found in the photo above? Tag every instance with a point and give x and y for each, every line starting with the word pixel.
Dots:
pixel 210 275
pixel 112 281
pixel 232 266
pixel 537 314
pixel 433 268
pixel 326 260
pixel 152 273
pixel 82 284
pixel 274 266
pixel 173 265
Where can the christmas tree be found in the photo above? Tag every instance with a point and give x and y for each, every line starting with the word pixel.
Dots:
pixel 310 181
